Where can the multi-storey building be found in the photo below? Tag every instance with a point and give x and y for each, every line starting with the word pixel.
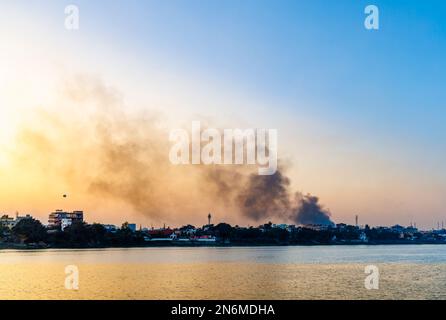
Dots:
pixel 10 222
pixel 7 221
pixel 62 219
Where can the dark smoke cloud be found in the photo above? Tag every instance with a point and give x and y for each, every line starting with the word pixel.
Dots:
pixel 269 197
pixel 308 210
pixel 265 196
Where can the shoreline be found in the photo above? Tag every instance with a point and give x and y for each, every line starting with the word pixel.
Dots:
pixel 26 247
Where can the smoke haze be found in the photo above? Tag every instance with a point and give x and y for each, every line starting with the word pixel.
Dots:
pixel 91 146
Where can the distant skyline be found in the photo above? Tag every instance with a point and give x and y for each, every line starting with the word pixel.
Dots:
pixel 360 114
pixel 211 220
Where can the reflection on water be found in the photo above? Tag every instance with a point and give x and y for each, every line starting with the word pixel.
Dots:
pixel 407 272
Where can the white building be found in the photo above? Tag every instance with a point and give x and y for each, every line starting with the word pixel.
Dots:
pixel 110 227
pixel 55 218
pixel 65 222
pixel 282 226
pixel 7 221
pixel 10 222
pixel 363 237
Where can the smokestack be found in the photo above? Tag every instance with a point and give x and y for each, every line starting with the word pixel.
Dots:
pixel 209 219
pixel 356 220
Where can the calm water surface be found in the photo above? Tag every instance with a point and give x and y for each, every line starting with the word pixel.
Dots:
pixel 319 272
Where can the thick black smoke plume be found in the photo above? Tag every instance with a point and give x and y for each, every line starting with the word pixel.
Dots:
pixel 308 210
pixel 265 196
pixel 268 197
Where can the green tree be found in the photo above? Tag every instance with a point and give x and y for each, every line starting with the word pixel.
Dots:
pixel 4 233
pixel 125 225
pixel 77 234
pixel 98 233
pixel 223 230
pixel 125 236
pixel 29 230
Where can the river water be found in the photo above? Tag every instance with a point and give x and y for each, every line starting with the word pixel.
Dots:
pixel 295 272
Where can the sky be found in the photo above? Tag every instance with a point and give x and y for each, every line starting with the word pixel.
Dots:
pixel 359 112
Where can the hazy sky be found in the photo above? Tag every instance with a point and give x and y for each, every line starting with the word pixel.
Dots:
pixel 360 113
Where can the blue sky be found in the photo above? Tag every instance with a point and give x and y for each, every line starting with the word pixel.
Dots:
pixel 377 93
pixel 291 53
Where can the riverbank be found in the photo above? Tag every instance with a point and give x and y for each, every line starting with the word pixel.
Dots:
pixel 182 244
